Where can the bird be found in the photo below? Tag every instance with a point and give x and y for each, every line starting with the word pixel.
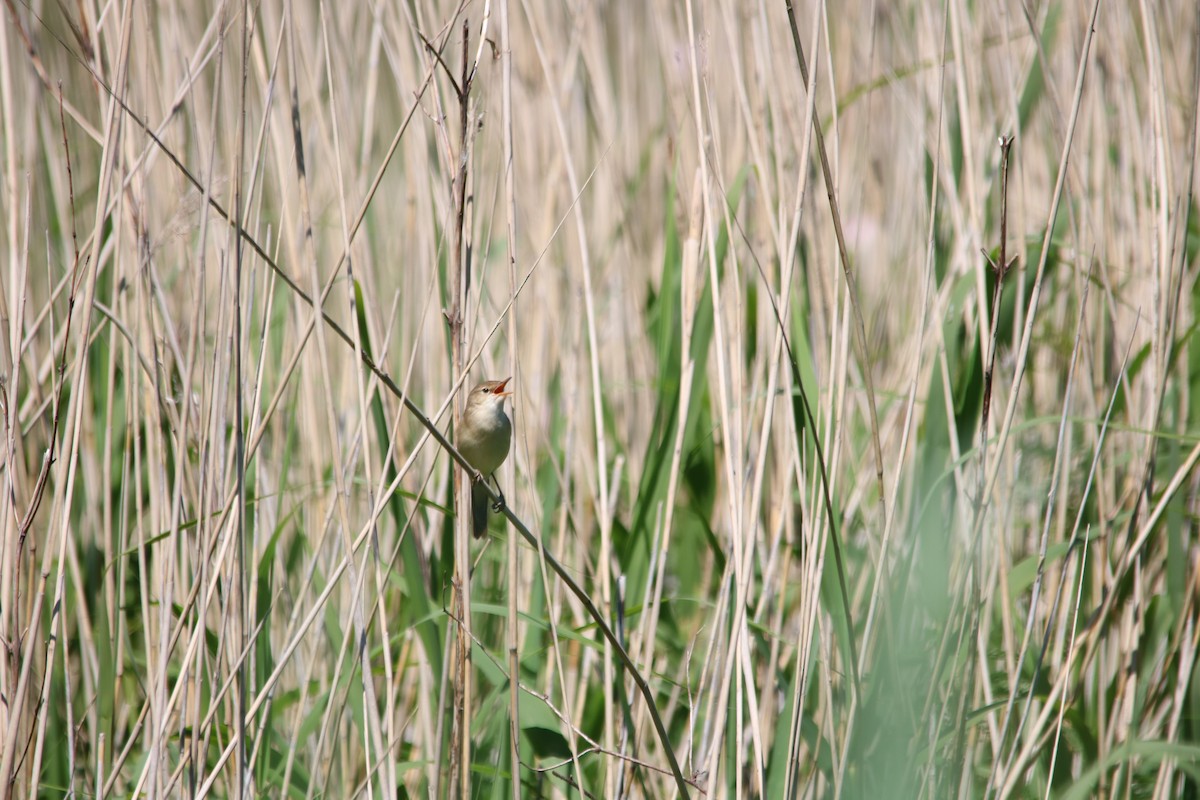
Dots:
pixel 483 440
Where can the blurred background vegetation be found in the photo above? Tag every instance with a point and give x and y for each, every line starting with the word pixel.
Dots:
pixel 869 521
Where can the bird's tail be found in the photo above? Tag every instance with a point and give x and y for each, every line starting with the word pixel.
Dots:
pixel 479 509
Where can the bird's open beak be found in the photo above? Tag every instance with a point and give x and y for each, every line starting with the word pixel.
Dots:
pixel 500 389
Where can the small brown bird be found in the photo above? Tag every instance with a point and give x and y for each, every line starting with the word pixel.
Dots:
pixel 483 441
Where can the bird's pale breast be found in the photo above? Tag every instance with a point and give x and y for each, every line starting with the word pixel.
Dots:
pixel 485 437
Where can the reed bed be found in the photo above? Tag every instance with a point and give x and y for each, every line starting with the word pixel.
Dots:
pixel 856 403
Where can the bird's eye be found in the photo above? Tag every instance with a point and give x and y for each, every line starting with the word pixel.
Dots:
pixel 486 390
